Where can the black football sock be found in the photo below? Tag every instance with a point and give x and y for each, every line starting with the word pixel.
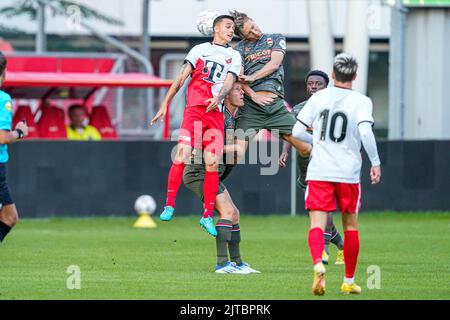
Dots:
pixel 234 245
pixel 327 238
pixel 336 239
pixel 4 230
pixel 328 233
pixel 223 228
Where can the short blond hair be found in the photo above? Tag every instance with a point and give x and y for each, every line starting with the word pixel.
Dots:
pixel 345 67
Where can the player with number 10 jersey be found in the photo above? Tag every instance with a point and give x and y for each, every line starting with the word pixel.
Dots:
pixel 342 121
pixel 335 114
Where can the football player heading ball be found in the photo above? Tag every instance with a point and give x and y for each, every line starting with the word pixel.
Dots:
pixel 214 67
pixel 263 74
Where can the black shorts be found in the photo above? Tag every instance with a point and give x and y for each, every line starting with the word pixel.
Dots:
pixel 5 196
pixel 251 118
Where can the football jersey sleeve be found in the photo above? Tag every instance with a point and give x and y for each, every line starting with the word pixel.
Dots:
pixel 369 142
pixel 279 43
pixel 365 111
pixel 306 115
pixel 236 64
pixel 5 114
pixel 193 56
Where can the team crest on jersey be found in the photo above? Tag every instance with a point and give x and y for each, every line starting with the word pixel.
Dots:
pixel 247 49
pixel 8 106
pixel 228 60
pixel 269 42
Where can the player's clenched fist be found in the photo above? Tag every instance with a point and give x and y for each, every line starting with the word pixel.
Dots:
pixel 21 125
pixel 375 174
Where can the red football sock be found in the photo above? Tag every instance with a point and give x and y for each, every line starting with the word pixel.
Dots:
pixel 210 188
pixel 316 244
pixel 351 251
pixel 174 182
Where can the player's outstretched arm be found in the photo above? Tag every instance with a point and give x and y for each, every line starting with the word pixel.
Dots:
pixel 7 137
pixel 370 145
pixel 185 71
pixel 226 88
pixel 276 59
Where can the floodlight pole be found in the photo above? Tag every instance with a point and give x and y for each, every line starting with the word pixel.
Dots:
pixel 41 43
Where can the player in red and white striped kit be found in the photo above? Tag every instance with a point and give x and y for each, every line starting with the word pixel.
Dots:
pixel 341 120
pixel 214 67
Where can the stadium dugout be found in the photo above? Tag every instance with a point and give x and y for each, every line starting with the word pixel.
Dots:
pixel 70 78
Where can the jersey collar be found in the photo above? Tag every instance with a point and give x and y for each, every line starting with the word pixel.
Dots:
pixel 228 111
pixel 343 88
pixel 220 45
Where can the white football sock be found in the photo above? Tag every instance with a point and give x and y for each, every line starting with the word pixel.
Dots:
pixel 349 280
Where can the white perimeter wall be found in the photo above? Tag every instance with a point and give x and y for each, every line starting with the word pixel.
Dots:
pixel 427 89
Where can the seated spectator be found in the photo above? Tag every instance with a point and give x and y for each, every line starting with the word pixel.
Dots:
pixel 78 129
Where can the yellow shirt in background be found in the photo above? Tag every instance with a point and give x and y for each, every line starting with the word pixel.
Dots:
pixel 87 133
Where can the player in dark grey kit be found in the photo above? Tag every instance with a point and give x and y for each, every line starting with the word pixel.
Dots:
pixel 262 59
pixel 228 230
pixel 315 80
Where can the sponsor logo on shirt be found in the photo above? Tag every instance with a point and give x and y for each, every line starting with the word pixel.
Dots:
pixel 258 55
pixel 213 70
pixel 8 106
pixel 269 42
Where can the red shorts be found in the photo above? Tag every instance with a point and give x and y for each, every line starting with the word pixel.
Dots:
pixel 203 130
pixel 322 196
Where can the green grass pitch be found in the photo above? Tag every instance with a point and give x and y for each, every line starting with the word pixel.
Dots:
pixel 176 260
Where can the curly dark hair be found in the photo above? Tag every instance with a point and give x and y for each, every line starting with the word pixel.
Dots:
pixel 239 19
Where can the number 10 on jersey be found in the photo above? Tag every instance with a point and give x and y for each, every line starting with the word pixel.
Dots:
pixel 324 115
